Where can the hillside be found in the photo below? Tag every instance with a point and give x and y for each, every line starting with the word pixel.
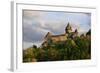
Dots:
pixel 78 48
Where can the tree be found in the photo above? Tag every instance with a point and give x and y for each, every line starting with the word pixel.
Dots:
pixel 34 46
pixel 72 49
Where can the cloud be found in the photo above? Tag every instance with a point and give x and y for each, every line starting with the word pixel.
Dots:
pixel 33 34
pixel 36 24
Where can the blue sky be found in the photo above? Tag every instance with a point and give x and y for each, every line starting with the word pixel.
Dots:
pixel 36 24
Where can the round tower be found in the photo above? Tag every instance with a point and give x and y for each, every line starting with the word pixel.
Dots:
pixel 76 32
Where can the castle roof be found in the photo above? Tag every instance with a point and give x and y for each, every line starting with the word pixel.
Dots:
pixel 58 35
pixel 48 34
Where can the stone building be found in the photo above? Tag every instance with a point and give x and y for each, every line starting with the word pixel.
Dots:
pixel 50 38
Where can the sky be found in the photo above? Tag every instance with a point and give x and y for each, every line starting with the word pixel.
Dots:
pixel 36 24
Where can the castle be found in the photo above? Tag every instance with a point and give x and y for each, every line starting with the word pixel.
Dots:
pixel 50 38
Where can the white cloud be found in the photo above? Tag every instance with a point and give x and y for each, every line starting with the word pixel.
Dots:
pixel 36 24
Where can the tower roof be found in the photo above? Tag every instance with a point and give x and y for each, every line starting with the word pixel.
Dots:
pixel 68 29
pixel 76 30
pixel 68 26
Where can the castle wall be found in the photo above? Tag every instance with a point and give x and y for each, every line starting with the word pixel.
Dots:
pixel 59 38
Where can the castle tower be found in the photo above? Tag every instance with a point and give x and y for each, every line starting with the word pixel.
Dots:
pixel 76 31
pixel 68 29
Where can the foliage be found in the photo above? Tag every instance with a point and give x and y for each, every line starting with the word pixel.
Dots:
pixel 72 49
